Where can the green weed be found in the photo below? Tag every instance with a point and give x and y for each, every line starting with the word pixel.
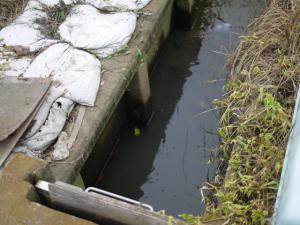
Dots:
pixel 256 119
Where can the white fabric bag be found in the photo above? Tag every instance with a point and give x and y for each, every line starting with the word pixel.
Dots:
pixel 103 34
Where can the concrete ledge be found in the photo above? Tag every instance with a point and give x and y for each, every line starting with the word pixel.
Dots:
pixel 17 196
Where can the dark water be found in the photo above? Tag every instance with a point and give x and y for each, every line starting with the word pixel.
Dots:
pixel 167 163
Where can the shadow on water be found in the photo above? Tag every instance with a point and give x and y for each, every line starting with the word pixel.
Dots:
pixel 167 163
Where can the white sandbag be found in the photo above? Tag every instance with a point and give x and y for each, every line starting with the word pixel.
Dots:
pixel 23 31
pixel 23 149
pixel 141 3
pixel 16 67
pixel 61 150
pixel 13 62
pixel 42 114
pixel 49 132
pixel 103 34
pixel 13 66
pixel 75 71
pixel 117 5
pixel 30 38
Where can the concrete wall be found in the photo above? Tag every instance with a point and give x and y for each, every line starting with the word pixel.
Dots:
pixel 184 10
pixel 135 100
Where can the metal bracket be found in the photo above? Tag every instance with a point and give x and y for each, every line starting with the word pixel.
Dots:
pixel 119 197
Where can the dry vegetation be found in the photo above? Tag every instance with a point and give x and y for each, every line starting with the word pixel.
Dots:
pixel 256 118
pixel 56 15
pixel 9 10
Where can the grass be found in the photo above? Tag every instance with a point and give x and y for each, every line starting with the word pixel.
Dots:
pixel 9 10
pixel 56 15
pixel 256 118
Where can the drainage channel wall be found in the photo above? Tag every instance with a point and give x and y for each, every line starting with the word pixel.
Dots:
pixel 178 12
pixel 124 72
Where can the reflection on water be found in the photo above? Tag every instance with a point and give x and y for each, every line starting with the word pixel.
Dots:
pixel 166 164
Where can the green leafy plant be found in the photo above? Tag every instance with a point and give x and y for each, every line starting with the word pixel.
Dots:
pixel 256 119
pixel 142 57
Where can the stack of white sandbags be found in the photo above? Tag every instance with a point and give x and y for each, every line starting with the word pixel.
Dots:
pixel 75 72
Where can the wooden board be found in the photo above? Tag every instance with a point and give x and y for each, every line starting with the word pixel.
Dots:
pixel 18 100
pixel 7 145
pixel 99 208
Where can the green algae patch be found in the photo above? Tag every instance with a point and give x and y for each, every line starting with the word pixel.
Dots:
pixel 256 119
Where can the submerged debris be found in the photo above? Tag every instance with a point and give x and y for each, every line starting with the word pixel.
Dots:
pixel 9 10
pixel 256 118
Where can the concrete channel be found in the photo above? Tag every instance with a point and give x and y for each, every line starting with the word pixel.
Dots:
pixel 125 82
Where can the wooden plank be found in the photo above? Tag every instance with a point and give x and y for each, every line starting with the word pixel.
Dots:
pixel 101 209
pixel 76 127
pixel 7 145
pixel 18 99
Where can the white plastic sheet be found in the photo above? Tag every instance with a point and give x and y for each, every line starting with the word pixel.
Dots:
pixel 103 34
pixel 117 5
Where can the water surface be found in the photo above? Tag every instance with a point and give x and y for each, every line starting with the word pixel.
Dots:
pixel 167 163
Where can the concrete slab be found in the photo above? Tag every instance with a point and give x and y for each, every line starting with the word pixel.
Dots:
pixel 18 196
pixel 27 95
